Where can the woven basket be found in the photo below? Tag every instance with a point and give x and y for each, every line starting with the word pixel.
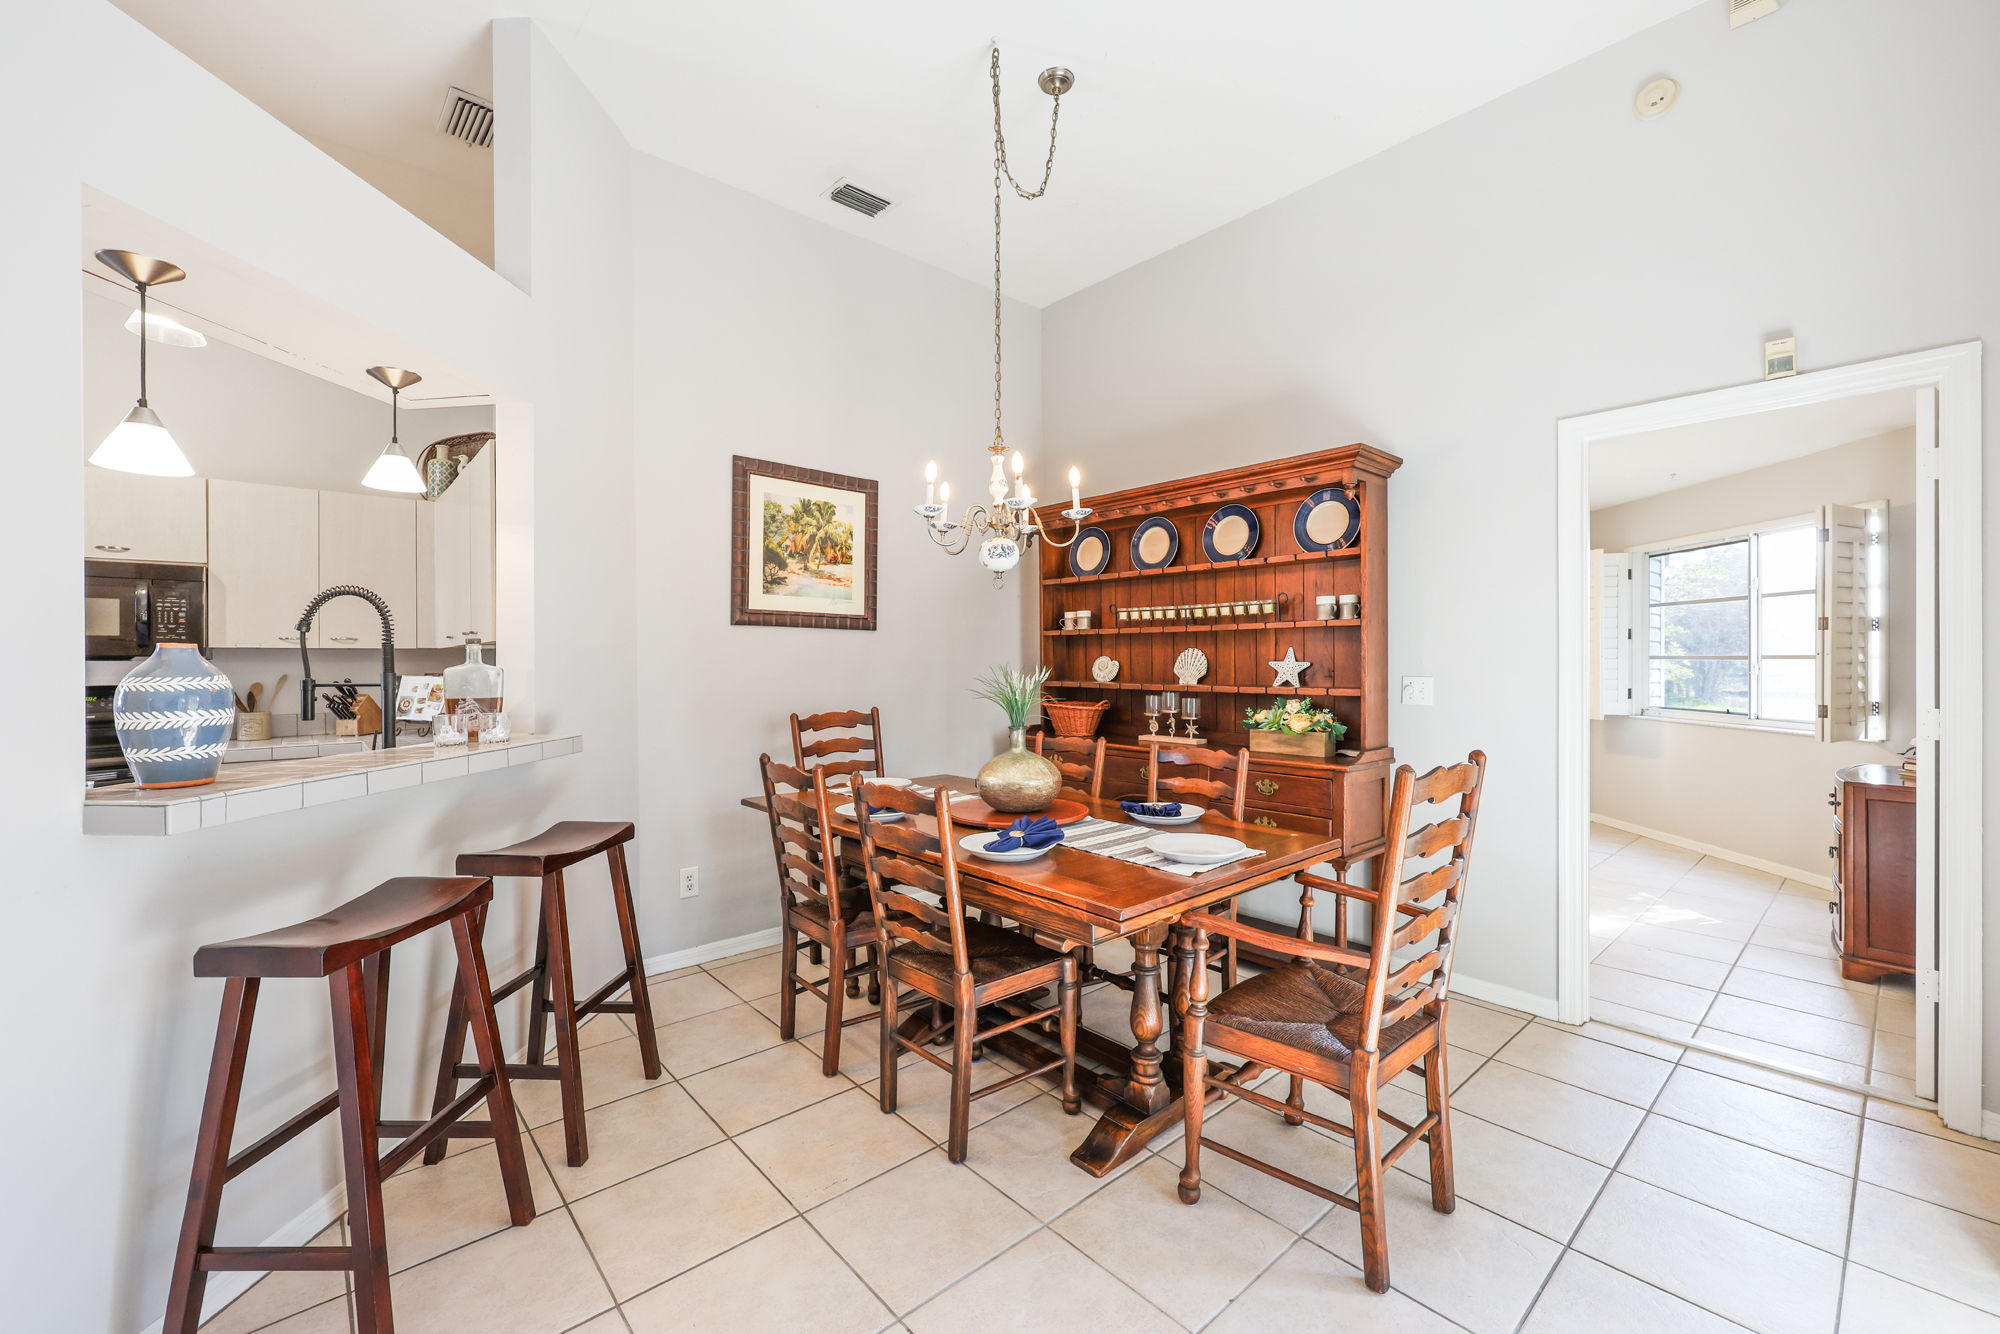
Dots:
pixel 1075 717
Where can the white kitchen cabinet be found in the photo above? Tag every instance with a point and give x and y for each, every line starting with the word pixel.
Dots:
pixel 370 541
pixel 128 516
pixel 263 562
pixel 455 560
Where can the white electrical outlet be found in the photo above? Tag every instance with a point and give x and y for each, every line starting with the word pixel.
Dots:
pixel 690 881
pixel 1416 690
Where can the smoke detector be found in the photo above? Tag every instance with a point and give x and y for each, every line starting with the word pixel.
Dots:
pixel 849 195
pixel 1749 11
pixel 467 117
pixel 1656 99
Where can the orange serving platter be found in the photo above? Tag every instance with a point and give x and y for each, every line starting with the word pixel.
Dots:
pixel 972 811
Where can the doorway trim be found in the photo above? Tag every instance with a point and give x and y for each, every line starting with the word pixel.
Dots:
pixel 1950 802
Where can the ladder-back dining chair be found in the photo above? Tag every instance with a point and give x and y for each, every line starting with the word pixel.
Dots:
pixel 956 964
pixel 842 742
pixel 1080 760
pixel 1230 784
pixel 1345 1019
pixel 819 904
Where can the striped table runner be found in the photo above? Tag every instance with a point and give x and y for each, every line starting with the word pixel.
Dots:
pixel 1127 843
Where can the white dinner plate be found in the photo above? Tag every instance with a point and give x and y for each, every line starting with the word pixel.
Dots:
pixel 1189 814
pixel 884 816
pixel 976 845
pixel 841 781
pixel 1197 849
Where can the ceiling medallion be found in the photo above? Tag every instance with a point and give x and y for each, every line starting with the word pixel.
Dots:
pixel 1006 529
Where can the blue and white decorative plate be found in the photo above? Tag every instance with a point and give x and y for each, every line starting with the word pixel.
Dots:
pixel 1090 553
pixel 1231 533
pixel 1155 543
pixel 1328 520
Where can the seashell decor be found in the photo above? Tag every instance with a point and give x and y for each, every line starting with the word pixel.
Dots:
pixel 1191 666
pixel 1104 669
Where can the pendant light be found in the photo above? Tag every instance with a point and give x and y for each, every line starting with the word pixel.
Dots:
pixel 394 469
pixel 140 443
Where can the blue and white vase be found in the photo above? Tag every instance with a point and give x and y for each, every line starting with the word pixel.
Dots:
pixel 173 713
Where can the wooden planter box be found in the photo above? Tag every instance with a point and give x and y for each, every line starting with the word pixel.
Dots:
pixel 1298 745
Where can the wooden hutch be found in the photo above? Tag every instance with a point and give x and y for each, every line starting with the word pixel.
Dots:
pixel 1349 671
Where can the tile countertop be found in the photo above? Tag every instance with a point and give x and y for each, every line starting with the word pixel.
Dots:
pixel 248 789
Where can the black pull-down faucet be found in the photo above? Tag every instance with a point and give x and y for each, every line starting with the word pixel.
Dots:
pixel 307 687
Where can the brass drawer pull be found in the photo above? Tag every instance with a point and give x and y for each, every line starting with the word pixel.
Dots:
pixel 1267 785
pixel 1145 771
pixel 1266 821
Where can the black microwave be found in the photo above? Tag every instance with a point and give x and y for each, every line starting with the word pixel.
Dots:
pixel 128 608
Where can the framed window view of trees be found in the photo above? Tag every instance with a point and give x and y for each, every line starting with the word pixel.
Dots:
pixel 803 547
pixel 1732 627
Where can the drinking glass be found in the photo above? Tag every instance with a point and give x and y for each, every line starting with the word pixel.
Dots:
pixel 497 727
pixel 447 732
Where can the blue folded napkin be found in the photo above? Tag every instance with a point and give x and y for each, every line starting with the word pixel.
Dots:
pixel 1159 810
pixel 1030 831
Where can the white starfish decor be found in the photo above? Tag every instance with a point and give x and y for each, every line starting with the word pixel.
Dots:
pixel 1288 669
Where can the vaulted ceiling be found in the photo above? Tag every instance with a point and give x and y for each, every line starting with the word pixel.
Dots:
pixel 1186 113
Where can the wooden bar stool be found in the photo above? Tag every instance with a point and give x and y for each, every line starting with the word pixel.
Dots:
pixel 544 858
pixel 349 947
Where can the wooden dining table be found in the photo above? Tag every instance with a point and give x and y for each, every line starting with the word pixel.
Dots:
pixel 1084 899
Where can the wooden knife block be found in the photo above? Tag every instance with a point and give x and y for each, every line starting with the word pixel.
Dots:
pixel 367 719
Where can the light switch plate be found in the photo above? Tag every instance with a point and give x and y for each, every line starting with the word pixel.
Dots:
pixel 1416 690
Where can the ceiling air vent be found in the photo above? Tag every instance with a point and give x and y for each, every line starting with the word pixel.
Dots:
pixel 467 117
pixel 1746 11
pixel 849 195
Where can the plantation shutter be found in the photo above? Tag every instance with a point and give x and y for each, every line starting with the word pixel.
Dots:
pixel 1611 613
pixel 1850 625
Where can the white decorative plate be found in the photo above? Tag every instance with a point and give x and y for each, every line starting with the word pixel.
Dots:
pixel 1200 849
pixel 1189 814
pixel 1104 669
pixel 1191 666
pixel 976 845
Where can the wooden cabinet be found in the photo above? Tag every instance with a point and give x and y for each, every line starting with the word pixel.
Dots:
pixel 131 517
pixel 370 541
pixel 455 560
pixel 1875 877
pixel 263 562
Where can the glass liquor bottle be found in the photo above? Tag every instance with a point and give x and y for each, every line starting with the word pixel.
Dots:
pixel 475 681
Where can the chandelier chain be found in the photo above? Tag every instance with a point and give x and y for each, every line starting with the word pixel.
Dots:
pixel 1002 172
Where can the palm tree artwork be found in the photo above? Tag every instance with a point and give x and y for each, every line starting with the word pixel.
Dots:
pixel 808 547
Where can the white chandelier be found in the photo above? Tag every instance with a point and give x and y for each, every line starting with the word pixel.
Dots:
pixel 1008 527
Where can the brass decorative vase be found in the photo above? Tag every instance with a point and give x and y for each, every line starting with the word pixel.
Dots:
pixel 1017 780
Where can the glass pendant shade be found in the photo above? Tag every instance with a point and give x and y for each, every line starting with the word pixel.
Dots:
pixel 165 329
pixel 394 471
pixel 141 444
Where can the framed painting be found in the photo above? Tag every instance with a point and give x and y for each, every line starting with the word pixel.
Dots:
pixel 802 547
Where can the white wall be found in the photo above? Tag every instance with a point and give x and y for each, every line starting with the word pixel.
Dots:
pixel 1759 793
pixel 762 333
pixel 1546 256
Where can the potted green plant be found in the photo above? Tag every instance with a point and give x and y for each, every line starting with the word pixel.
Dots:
pixel 1017 780
pixel 1294 727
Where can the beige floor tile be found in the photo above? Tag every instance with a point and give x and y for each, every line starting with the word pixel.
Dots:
pixel 691 1046
pixel 1935 1248
pixel 1025 1152
pixel 1516 1177
pixel 1854 1005
pixel 1795 1199
pixel 1718 871
pixel 1926 1123
pixel 1794 940
pixel 1713 908
pixel 1746 1049
pixel 610 1070
pixel 915 1230
pixel 1695 917
pixel 1682 942
pixel 1311 1289
pixel 923 1096
pixel 810 1016
pixel 1643 1022
pixel 1894 1055
pixel 1470 1265
pixel 1790 1028
pixel 1481 1029
pixel 1790 1126
pixel 1569 1118
pixel 1040 1284
pixel 823 1150
pixel 1107 1010
pixel 1303 1151
pixel 666 1221
pixel 1937 1170
pixel 627 1137
pixel 1617 1037
pixel 278 1295
pixel 1582 1295
pixel 763 1087
pixel 1872 1302
pixel 431 1210
pixel 1653 994
pixel 743 957
pixel 1598 1066
pixel 750 978
pixel 326 1318
pixel 684 995
pixel 524 1280
pixel 1788 963
pixel 602 1028
pixel 1665 964
pixel 1892 1086
pixel 611 1322
pixel 1189 1260
pixel 1723 1264
pixel 786 1279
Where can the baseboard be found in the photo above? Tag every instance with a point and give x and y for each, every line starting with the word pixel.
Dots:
pixel 1493 993
pixel 709 953
pixel 1989 1124
pixel 1820 882
pixel 226 1285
